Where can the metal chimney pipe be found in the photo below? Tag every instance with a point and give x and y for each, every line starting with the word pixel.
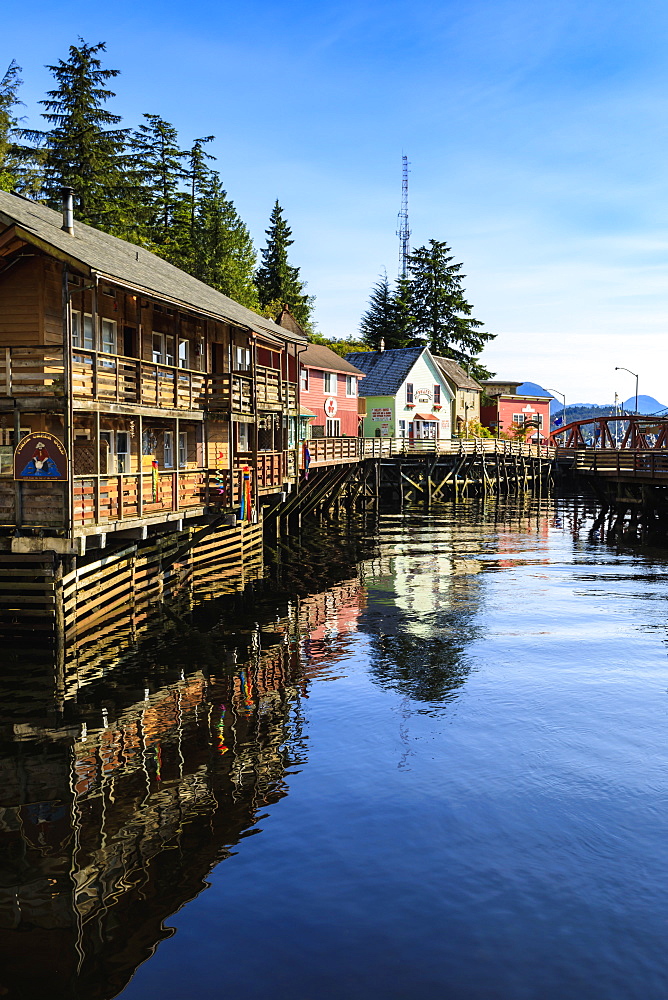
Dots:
pixel 67 194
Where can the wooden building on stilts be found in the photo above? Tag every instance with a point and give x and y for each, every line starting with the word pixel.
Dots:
pixel 138 407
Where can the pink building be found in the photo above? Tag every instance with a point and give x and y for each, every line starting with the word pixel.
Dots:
pixel 329 388
pixel 503 411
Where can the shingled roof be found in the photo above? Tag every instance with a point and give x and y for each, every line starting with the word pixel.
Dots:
pixel 456 374
pixel 319 356
pixel 129 265
pixel 385 370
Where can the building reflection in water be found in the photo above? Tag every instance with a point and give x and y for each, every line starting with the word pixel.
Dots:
pixel 123 788
pixel 425 589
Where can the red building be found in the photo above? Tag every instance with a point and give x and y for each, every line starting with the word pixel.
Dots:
pixel 505 412
pixel 329 387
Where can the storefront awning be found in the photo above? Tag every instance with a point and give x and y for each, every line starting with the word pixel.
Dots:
pixel 306 413
pixel 432 417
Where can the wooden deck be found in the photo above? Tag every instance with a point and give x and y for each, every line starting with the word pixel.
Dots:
pixel 111 378
pixel 624 464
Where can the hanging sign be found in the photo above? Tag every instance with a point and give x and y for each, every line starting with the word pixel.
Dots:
pixel 330 406
pixel 40 457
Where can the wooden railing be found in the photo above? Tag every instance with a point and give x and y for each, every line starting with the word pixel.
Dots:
pixel 230 392
pixel 38 371
pixel 110 377
pixel 331 451
pixel 234 391
pixel 622 464
pixel 328 451
pixel 31 371
pixel 100 499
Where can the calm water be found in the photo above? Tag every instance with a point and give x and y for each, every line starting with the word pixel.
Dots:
pixel 445 777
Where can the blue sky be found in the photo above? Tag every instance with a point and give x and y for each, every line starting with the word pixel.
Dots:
pixel 536 134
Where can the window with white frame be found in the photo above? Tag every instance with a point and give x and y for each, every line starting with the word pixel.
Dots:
pixel 242 359
pixel 184 354
pixel 183 449
pixel 168 449
pixel 409 392
pixel 333 428
pixel 163 349
pixel 82 330
pixel 518 419
pixel 303 375
pixel 402 428
pixel 351 385
pixel 109 336
pixel 329 383
pixel 437 395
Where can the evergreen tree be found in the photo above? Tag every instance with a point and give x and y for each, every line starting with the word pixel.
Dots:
pixel 158 164
pixel 388 316
pixel 223 254
pixel 9 127
pixel 83 150
pixel 180 249
pixel 440 315
pixel 278 282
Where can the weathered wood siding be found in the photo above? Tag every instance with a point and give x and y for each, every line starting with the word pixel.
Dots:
pixel 21 309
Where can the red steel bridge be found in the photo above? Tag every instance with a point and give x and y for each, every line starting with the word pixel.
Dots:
pixel 622 449
pixel 629 431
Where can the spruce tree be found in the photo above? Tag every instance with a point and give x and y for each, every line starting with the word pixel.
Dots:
pixel 83 149
pixel 158 164
pixel 9 127
pixel 440 315
pixel 223 254
pixel 278 282
pixel 388 316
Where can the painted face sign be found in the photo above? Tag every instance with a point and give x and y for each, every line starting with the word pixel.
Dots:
pixel 40 457
pixel 330 406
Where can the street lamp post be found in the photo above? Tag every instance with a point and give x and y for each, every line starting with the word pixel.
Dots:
pixel 563 412
pixel 621 369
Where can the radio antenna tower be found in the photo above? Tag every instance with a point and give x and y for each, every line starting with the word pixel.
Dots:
pixel 403 232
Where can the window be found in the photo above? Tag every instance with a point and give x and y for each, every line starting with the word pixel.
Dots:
pixel 169 350
pixel 183 448
pixel 163 349
pixel 122 451
pixel 184 354
pixel 333 429
pixel 409 392
pixel 351 385
pixel 168 449
pixel 242 437
pixel 109 336
pixel 82 331
pixel 242 359
pixel 304 379
pixel 437 395
pixel 518 419
pixel 402 428
pixel 329 383
pixel 269 433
